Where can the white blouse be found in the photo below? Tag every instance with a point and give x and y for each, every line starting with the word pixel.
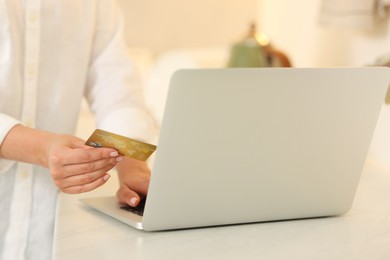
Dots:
pixel 52 54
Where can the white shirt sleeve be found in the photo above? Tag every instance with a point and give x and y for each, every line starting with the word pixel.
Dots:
pixel 6 124
pixel 113 90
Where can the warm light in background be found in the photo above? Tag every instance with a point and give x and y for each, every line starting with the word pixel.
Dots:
pixel 262 38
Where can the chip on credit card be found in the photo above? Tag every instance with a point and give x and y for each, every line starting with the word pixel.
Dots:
pixel 124 145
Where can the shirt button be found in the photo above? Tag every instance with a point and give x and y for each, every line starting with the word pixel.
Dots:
pixel 32 17
pixel 29 123
pixel 31 70
pixel 24 174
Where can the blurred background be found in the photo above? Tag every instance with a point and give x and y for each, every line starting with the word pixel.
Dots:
pixel 164 36
pixel 303 29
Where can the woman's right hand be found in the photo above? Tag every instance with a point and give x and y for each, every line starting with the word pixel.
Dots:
pixel 76 167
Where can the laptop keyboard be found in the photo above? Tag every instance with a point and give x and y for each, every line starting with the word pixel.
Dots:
pixel 139 210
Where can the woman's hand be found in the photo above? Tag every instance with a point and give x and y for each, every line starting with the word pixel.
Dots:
pixel 134 178
pixel 75 167
pixel 78 168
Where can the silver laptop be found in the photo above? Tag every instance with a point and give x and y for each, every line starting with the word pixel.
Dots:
pixel 253 145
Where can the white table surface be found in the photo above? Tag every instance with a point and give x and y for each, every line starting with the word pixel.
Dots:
pixel 363 233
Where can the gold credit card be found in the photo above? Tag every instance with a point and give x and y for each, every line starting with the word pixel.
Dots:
pixel 124 145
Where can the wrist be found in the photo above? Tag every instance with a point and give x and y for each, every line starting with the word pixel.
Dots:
pixel 27 145
pixel 130 166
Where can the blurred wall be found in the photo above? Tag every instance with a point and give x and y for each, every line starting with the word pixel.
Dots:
pixel 294 27
pixel 162 25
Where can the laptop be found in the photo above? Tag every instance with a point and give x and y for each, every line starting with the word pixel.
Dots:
pixel 258 144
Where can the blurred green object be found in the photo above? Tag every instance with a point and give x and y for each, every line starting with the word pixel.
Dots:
pixel 255 50
pixel 248 53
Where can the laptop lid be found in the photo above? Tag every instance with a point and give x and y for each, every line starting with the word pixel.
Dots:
pixel 250 145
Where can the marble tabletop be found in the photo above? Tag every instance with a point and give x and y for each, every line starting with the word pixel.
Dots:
pixel 362 233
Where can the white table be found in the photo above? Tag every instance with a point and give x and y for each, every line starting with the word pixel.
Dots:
pixel 363 233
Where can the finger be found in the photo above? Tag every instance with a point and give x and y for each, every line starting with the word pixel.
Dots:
pixel 127 196
pixel 87 187
pixel 82 179
pixel 80 155
pixel 103 165
pixel 62 174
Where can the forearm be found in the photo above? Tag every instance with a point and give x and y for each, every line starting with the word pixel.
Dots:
pixel 26 145
pixel 131 166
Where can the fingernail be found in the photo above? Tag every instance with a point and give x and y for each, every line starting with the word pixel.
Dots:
pixel 106 177
pixel 113 154
pixel 133 201
pixel 118 159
